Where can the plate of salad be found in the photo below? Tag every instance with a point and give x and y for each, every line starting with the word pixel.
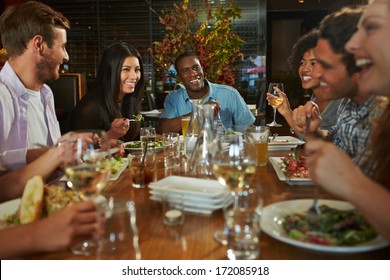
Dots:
pixel 342 229
pixel 118 165
pixel 136 146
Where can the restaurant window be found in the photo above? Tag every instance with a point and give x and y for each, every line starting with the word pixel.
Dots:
pixel 96 24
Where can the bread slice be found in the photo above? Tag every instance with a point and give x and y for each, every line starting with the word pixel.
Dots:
pixel 32 201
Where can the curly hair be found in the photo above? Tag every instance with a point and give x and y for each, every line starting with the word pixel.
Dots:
pixel 304 44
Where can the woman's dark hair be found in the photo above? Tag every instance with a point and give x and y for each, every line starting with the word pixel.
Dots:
pixel 305 43
pixel 108 82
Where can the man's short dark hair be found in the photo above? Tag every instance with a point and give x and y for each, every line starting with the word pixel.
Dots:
pixel 184 55
pixel 337 28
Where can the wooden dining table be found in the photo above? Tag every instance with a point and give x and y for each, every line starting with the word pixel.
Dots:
pixel 194 240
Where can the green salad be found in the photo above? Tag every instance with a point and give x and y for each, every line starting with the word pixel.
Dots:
pixel 337 228
pixel 230 132
pixel 116 164
pixel 137 144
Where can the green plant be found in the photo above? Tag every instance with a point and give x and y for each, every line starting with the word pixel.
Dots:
pixel 214 41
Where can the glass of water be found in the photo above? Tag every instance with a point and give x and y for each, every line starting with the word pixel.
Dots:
pixel 243 225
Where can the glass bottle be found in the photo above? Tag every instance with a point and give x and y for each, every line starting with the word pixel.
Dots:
pixel 206 145
pixel 192 130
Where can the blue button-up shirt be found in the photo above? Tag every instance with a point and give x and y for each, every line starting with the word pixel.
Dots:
pixel 234 111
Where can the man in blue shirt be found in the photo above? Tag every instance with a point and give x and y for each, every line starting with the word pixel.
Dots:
pixel 230 105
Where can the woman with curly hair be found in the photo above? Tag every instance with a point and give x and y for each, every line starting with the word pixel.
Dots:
pixel 302 62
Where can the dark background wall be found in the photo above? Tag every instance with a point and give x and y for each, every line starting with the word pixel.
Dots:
pixel 269 27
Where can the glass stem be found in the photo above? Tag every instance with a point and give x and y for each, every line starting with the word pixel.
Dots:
pixel 274 116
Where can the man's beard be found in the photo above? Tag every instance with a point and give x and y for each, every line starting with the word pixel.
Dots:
pixel 46 70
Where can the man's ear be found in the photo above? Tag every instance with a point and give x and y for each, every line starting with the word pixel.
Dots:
pixel 39 43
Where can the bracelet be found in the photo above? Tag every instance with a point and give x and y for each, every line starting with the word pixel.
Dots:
pixel 292 130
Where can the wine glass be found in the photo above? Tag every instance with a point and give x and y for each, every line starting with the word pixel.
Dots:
pixel 88 170
pixel 234 168
pixel 148 139
pixel 275 101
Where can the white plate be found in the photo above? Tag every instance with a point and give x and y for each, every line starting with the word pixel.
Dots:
pixel 113 177
pixel 276 161
pixel 121 168
pixel 8 208
pixel 284 143
pixel 274 213
pixel 199 207
pixel 200 195
pixel 156 113
pixel 138 149
pixel 193 198
pixel 201 188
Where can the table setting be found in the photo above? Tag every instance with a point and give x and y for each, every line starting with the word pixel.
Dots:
pixel 203 207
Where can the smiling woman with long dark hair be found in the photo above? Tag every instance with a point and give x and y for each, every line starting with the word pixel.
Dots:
pixel 117 94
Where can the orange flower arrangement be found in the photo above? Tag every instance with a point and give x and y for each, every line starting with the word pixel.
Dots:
pixel 214 41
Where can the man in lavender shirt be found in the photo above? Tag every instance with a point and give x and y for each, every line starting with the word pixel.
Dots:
pixel 35 38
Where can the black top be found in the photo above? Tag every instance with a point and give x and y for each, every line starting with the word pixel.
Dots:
pixel 90 113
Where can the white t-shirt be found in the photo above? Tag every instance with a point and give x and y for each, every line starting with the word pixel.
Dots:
pixel 37 130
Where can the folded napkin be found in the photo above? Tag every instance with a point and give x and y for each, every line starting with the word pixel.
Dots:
pixel 153 112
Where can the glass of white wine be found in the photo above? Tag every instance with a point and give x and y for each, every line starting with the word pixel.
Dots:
pixel 234 168
pixel 275 101
pixel 88 170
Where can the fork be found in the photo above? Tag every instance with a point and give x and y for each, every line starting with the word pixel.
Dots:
pixel 301 138
pixel 313 214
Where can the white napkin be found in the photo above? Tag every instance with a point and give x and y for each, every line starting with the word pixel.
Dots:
pixel 153 112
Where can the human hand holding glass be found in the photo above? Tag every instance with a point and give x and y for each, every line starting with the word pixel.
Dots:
pixel 275 101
